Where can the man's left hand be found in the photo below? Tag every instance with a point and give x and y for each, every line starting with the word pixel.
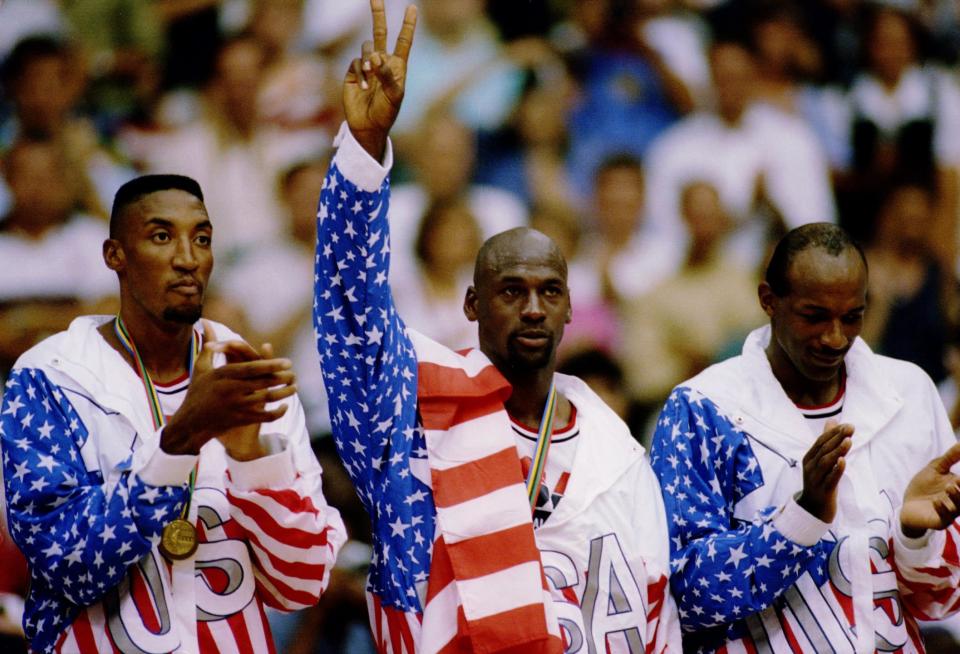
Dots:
pixel 243 443
pixel 932 498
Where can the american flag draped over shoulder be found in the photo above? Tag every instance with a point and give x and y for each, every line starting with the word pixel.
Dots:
pixel 421 599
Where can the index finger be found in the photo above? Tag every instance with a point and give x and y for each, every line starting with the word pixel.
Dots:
pixel 405 38
pixel 830 439
pixel 259 368
pixel 379 25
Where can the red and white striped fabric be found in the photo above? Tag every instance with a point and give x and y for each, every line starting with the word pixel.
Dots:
pixel 930 577
pixel 485 542
pixel 264 540
pixel 257 548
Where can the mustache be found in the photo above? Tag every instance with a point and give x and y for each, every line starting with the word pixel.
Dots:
pixel 532 333
pixel 186 281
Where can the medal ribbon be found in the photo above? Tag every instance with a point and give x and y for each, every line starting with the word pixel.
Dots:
pixel 538 466
pixel 152 398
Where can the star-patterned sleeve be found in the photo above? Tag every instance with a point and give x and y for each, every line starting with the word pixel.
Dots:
pixel 370 371
pixel 723 569
pixel 78 531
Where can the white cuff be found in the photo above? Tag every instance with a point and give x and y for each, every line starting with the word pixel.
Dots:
pixel 157 468
pixel 923 552
pixel 357 165
pixel 797 525
pixel 272 471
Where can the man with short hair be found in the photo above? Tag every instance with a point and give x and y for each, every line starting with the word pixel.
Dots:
pixel 158 474
pixel 799 520
pixel 468 556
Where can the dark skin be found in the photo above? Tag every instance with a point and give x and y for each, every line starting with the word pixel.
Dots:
pixel 521 303
pixel 813 327
pixel 373 91
pixel 163 260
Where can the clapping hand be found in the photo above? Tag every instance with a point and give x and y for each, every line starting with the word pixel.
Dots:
pixel 932 498
pixel 229 402
pixel 823 466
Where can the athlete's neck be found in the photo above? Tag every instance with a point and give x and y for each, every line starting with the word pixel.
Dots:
pixel 529 396
pixel 801 390
pixel 163 346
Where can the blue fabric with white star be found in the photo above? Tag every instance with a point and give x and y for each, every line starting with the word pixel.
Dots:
pixel 78 534
pixel 722 568
pixel 370 373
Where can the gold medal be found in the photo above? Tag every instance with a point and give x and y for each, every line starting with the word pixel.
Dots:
pixel 179 540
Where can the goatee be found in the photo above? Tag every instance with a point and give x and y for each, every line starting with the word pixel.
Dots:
pixel 186 315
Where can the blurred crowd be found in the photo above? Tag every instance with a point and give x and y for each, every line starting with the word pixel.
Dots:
pixel 664 144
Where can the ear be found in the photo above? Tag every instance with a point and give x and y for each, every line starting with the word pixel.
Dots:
pixel 470 304
pixel 113 255
pixel 768 299
pixel 569 316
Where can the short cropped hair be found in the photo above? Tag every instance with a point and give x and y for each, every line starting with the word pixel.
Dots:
pixel 26 51
pixel 618 161
pixel 825 236
pixel 145 185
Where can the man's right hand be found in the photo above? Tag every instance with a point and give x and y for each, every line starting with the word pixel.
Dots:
pixel 374 85
pixel 222 399
pixel 823 466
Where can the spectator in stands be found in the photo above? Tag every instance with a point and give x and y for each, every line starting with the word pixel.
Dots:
pixel 680 326
pixel 41 76
pixel 620 259
pixel 272 283
pixel 50 252
pixel 442 166
pixel 446 245
pixel 460 65
pixel 786 56
pixel 230 152
pixel 904 124
pixel 528 157
pixel 911 300
pixel 628 95
pixel 753 154
pixel 299 95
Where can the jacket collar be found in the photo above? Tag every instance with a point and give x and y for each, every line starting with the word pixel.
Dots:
pixel 870 401
pixel 97 369
pixel 605 452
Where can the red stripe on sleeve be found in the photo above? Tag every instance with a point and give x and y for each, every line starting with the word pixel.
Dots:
pixel 294 501
pixel 268 634
pixel 292 595
pixel 287 535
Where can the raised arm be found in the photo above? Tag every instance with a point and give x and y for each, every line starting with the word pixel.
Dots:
pixel 368 363
pixel 723 569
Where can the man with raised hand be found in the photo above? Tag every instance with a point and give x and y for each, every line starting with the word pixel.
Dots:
pixel 512 511
pixel 158 474
pixel 808 480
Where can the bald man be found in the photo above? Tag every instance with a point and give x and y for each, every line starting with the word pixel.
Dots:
pixel 505 498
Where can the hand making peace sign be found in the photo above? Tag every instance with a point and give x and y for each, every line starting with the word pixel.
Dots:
pixel 374 85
